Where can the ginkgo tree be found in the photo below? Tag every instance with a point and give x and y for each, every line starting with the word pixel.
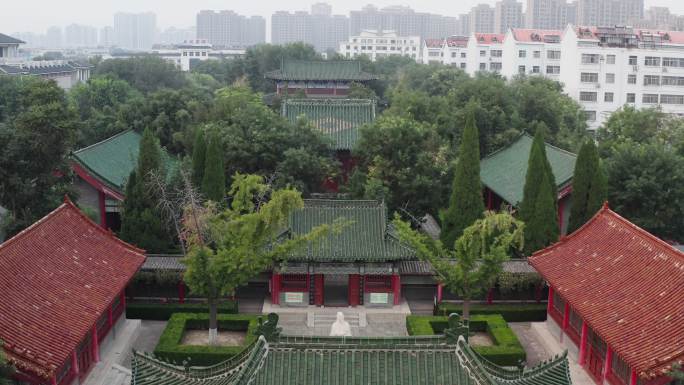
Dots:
pixel 473 264
pixel 230 246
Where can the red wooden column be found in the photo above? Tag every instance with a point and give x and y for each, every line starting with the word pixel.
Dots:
pixel 608 364
pixel 354 289
pixel 181 291
pixel 74 363
pixel 53 380
pixel 561 208
pixel 633 378
pixel 95 345
pixel 123 299
pixel 275 288
pixel 566 316
pixel 318 289
pixel 110 316
pixel 490 296
pixel 583 344
pixel 440 292
pixel 396 288
pixel 103 212
pixel 549 303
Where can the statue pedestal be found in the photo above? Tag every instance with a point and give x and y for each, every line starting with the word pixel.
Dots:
pixel 340 328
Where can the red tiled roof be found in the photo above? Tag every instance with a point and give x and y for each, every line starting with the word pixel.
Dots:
pixel 57 277
pixel 673 37
pixel 457 41
pixel 535 35
pixel 626 284
pixel 489 38
pixel 434 43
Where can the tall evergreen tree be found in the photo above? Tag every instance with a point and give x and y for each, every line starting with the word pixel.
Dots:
pixel 537 166
pixel 199 153
pixel 141 220
pixel 588 186
pixel 465 204
pixel 214 179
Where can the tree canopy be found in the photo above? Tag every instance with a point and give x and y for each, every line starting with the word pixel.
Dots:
pixel 588 186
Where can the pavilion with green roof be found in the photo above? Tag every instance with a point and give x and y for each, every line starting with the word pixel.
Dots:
pixel 103 169
pixel 274 359
pixel 503 175
pixel 318 78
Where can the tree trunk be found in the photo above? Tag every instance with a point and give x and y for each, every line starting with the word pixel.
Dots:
pixel 213 322
pixel 466 308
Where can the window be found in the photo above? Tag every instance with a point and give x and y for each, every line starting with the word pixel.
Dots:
pixel 495 53
pixel 621 369
pixel 522 53
pixel 535 69
pixel 671 99
pixel 631 98
pixel 553 55
pixel 483 53
pixel 588 96
pixel 558 303
pixel 521 70
pixel 651 80
pixel 610 78
pixel 632 60
pixel 453 54
pixel 631 79
pixel 652 61
pixel 672 81
pixel 608 97
pixel 553 70
pixel 463 55
pixel 597 343
pixel 649 99
pixel 590 58
pixel 673 62
pixel 575 321
pixel 463 65
pixel 590 116
pixel 589 77
pixel 495 66
pixel 536 54
pixel 433 54
pixel 610 59
pixel 483 66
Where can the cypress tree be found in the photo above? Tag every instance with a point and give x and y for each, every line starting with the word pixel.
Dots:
pixel 465 204
pixel 588 186
pixel 214 179
pixel 542 228
pixel 199 150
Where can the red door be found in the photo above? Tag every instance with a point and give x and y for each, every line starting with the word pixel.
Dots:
pixel 595 363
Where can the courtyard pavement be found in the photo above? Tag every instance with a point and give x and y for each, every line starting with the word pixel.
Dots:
pixel 535 349
pixel 150 331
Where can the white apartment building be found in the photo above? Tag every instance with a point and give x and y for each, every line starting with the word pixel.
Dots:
pixel 376 44
pixel 606 68
pixel 532 52
pixel 484 52
pixel 450 51
pixel 191 52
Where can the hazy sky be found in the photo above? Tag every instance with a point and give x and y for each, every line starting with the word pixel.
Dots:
pixel 37 15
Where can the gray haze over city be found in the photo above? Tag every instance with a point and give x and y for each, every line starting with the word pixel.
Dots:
pixel 37 16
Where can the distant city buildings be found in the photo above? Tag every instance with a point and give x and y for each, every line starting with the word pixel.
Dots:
pixel 173 35
pixel 550 14
pixel 79 36
pixel 227 29
pixel 482 19
pixel 609 12
pixel 378 44
pixel 320 28
pixel 107 36
pixel 404 21
pixel 507 14
pixel 135 31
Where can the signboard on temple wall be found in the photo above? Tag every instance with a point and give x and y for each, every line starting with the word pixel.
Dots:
pixel 294 297
pixel 379 298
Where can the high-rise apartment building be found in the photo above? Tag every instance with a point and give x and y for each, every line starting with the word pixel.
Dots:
pixel 230 30
pixel 609 12
pixel 463 25
pixel 106 38
pixel 319 28
pixel 482 19
pixel 507 14
pixel 550 14
pixel 76 35
pixel 404 20
pixel 135 31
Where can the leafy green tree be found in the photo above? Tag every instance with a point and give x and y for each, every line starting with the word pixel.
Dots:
pixel 473 264
pixel 588 186
pixel 267 57
pixel 405 161
pixel 145 73
pixel 646 185
pixel 232 246
pixel 214 178
pixel 141 220
pixel 6 369
pixel 36 136
pixel 465 204
pixel 540 189
pixel 199 153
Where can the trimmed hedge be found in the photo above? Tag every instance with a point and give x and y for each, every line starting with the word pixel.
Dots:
pixel 170 348
pixel 156 311
pixel 528 312
pixel 507 350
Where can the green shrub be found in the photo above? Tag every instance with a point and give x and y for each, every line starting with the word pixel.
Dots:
pixel 170 348
pixel 529 312
pixel 507 350
pixel 163 311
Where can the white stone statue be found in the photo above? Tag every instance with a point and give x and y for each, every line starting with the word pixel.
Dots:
pixel 340 328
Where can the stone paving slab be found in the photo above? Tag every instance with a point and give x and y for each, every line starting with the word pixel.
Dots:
pixel 578 375
pixel 378 325
pixel 535 349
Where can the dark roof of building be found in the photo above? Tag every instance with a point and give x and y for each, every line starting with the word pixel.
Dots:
pixel 57 278
pixel 285 360
pixel 5 39
pixel 112 160
pixel 504 170
pixel 338 119
pixel 37 70
pixel 300 70
pixel 368 236
pixel 627 286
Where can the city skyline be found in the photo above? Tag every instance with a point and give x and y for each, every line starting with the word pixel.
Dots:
pixel 183 15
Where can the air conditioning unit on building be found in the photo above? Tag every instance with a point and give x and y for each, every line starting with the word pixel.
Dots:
pixel 598 85
pixel 665 69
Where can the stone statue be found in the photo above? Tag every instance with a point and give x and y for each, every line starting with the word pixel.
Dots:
pixel 340 328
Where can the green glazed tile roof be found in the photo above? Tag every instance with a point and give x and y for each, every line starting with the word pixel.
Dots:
pixel 504 171
pixel 366 238
pixel 351 361
pixel 112 160
pixel 337 119
pixel 300 70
